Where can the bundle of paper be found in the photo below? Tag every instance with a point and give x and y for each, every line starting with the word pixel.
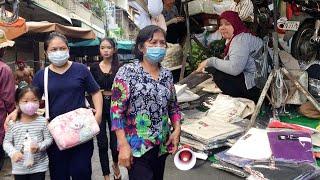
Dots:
pixel 186 139
pixel 282 170
pixel 227 108
pixel 234 160
pixel 209 131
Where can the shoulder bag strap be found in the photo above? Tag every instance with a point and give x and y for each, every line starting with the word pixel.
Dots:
pixel 46 95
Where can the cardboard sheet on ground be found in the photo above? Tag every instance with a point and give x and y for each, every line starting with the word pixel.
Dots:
pixel 209 86
pixel 315 139
pixel 253 145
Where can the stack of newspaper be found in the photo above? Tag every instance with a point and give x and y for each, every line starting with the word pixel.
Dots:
pixel 205 134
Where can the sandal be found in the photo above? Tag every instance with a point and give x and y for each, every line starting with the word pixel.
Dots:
pixel 116 173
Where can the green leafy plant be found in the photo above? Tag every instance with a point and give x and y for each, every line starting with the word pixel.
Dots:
pixel 97 6
pixel 198 55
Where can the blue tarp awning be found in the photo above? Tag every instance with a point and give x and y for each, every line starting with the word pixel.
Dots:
pixel 91 47
pixel 94 42
pixel 125 45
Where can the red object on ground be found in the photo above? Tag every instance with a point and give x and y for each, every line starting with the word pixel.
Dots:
pixel 185 156
pixel 278 124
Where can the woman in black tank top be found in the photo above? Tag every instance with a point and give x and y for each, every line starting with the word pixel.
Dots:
pixel 104 73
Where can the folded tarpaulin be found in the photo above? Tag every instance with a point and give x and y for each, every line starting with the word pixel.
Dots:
pixel 69 31
pixel 14 30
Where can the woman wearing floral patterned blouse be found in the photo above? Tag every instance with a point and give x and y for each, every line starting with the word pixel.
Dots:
pixel 142 104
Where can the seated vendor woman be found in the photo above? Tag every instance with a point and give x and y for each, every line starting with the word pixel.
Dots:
pixel 235 73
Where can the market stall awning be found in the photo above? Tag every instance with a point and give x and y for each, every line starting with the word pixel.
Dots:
pixel 85 43
pixel 14 30
pixel 69 31
pixel 85 48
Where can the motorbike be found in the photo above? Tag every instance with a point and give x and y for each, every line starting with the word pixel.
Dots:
pixel 303 30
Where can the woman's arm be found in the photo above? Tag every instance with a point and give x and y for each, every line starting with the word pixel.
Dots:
pixel 237 58
pixel 11 117
pixel 175 20
pixel 175 118
pixel 119 102
pixel 47 139
pixel 125 155
pixel 93 89
pixel 118 110
pixel 98 104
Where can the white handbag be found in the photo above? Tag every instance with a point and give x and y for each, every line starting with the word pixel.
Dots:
pixel 72 128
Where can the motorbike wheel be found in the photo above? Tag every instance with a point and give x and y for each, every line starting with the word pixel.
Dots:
pixel 301 48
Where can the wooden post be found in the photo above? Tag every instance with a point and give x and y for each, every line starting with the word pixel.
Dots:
pixel 261 99
pixel 188 41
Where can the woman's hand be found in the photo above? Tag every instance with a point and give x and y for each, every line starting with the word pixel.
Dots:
pixel 11 117
pixel 174 139
pixel 98 117
pixel 98 104
pixel 125 155
pixel 18 156
pixel 175 20
pixel 180 19
pixel 202 66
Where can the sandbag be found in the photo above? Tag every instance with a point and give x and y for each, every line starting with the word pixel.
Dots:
pixel 308 110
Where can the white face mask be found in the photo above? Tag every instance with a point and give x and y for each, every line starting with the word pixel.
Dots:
pixel 58 58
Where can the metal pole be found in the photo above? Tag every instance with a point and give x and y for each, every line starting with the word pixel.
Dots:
pixel 277 90
pixel 275 35
pixel 261 99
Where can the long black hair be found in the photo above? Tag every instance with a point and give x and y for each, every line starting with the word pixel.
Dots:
pixel 144 35
pixel 115 64
pixel 22 89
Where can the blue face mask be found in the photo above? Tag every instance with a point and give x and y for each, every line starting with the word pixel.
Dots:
pixel 58 58
pixel 155 54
